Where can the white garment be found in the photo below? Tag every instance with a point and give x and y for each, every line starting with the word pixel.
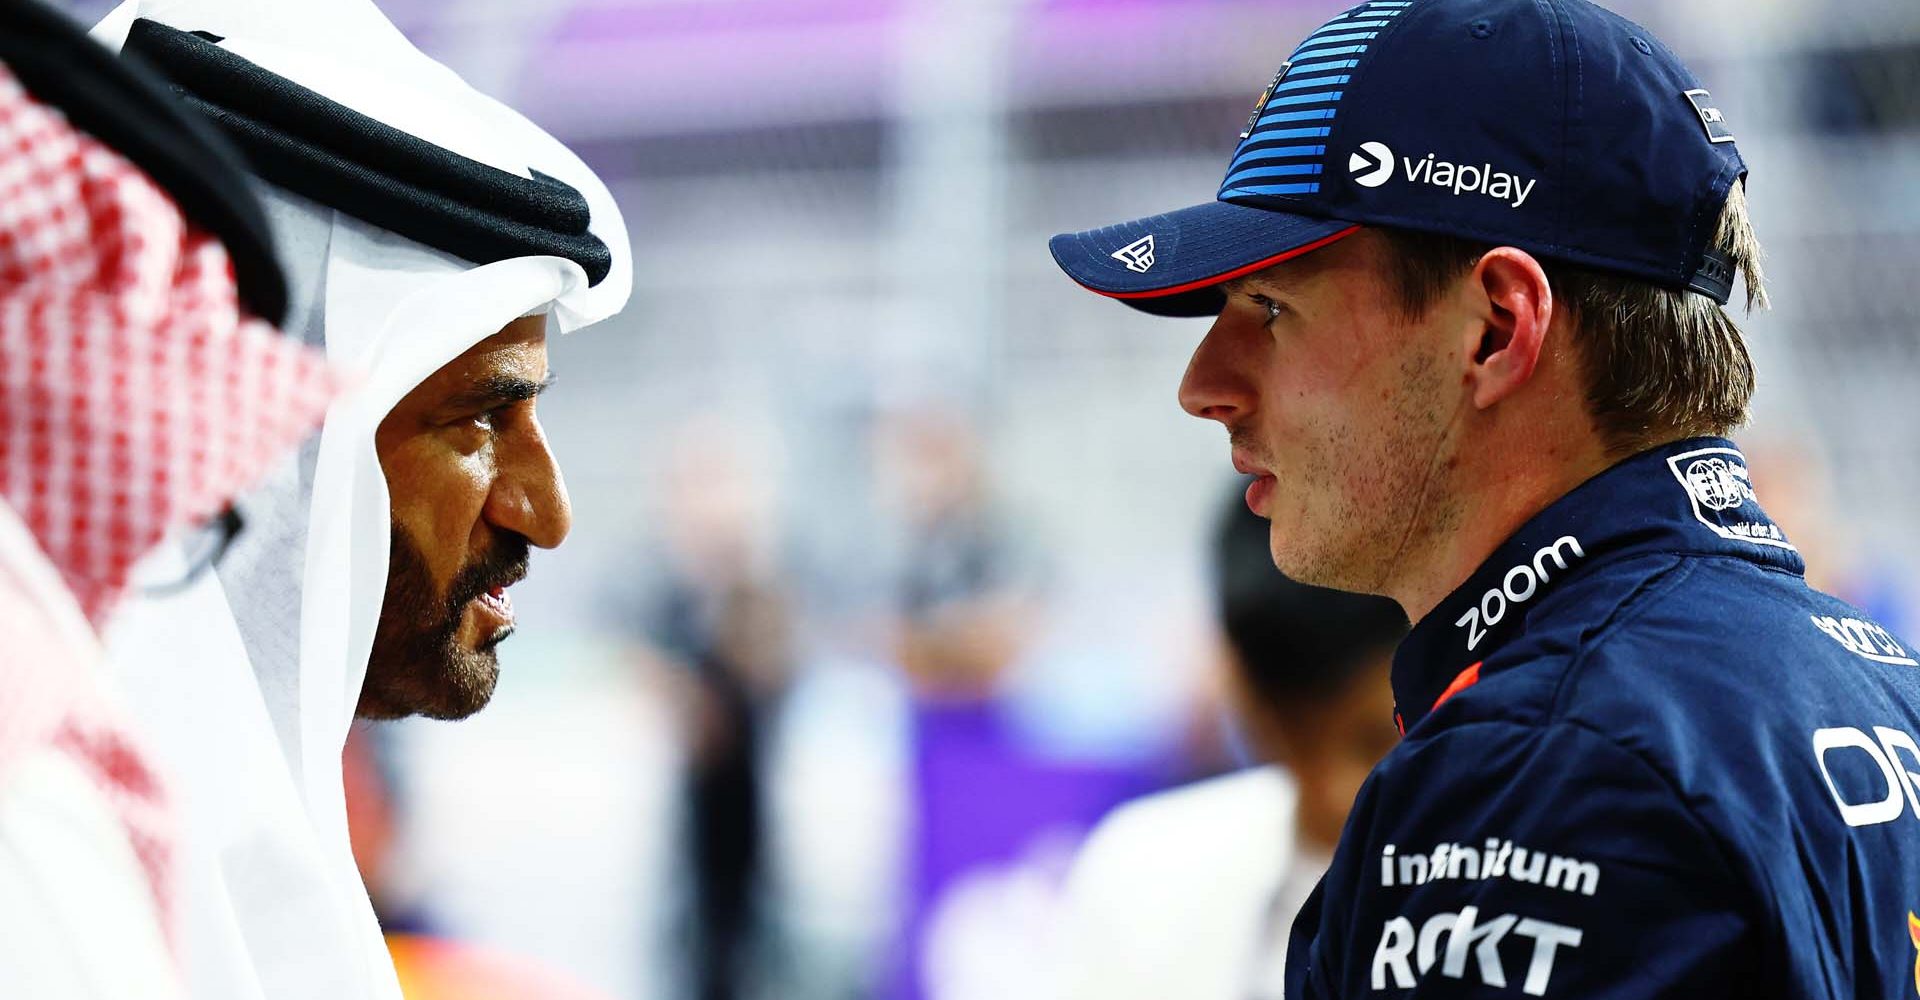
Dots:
pixel 77 920
pixel 1187 893
pixel 247 683
pixel 77 914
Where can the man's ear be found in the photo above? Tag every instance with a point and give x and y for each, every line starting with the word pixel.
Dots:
pixel 1518 306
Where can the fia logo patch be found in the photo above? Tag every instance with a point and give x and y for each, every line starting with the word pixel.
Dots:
pixel 1710 117
pixel 1720 490
pixel 1138 255
pixel 1719 484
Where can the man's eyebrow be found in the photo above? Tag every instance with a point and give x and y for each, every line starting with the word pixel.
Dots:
pixel 1270 278
pixel 498 390
pixel 1286 277
pixel 1244 283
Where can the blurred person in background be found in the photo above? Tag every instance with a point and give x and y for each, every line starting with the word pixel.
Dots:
pixel 992 816
pixel 141 387
pixel 432 237
pixel 1191 892
pixel 721 615
pixel 1487 371
pixel 965 582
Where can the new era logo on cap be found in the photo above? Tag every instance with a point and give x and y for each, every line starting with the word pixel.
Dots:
pixel 1138 255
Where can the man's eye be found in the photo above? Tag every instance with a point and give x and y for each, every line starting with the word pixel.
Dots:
pixel 1272 308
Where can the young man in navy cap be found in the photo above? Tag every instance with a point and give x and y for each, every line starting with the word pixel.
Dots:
pixel 1468 269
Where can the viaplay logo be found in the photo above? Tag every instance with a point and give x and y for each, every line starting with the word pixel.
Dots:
pixel 1372 165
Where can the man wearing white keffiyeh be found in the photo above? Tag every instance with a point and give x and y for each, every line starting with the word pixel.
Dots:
pixel 432 236
pixel 139 390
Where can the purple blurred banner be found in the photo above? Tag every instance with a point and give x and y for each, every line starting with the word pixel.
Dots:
pixel 994 824
pixel 611 70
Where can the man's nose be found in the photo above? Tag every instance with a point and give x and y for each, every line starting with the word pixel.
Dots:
pixel 1214 387
pixel 529 494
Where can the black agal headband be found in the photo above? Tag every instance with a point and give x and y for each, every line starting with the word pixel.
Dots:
pixel 320 149
pixel 129 111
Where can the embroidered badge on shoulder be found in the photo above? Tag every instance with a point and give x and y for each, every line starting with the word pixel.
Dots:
pixel 1720 489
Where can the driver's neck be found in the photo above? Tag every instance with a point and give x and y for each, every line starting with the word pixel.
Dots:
pixel 1510 467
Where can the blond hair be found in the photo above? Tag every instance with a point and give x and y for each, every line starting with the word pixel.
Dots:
pixel 1658 363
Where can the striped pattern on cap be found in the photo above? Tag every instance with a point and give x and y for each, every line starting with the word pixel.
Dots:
pixel 1285 149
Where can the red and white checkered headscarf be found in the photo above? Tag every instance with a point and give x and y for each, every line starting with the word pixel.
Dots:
pixel 135 397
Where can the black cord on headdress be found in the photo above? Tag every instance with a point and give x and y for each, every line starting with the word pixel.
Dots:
pixel 320 149
pixel 125 107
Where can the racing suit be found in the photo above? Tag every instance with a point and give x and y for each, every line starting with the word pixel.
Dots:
pixel 1641 758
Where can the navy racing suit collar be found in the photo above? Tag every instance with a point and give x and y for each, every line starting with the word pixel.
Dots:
pixel 1691 496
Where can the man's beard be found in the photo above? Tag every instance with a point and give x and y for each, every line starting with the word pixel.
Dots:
pixel 418 666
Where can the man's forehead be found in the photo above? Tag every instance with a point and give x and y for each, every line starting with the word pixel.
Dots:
pixel 525 329
pixel 518 354
pixel 1291 275
pixel 519 341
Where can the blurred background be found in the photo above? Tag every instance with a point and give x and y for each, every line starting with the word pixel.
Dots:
pixel 888 575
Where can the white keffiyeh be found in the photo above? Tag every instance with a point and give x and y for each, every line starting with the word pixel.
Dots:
pixel 248 682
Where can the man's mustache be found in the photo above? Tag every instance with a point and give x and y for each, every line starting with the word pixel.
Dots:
pixel 1241 439
pixel 502 566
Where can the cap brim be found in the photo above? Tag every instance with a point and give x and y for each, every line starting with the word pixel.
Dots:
pixel 1169 265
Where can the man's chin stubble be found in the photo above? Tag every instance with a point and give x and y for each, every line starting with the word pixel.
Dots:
pixel 418 665
pixel 457 686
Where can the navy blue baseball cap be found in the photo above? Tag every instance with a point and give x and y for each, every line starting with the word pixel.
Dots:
pixel 1555 126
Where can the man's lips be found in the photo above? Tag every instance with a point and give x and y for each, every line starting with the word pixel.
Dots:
pixel 1259 492
pixel 1261 489
pixel 495 606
